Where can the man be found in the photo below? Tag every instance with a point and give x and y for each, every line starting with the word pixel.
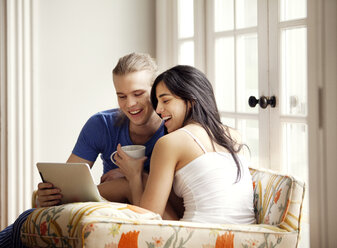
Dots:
pixel 135 122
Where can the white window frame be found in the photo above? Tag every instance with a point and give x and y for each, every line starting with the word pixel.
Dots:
pixel 167 42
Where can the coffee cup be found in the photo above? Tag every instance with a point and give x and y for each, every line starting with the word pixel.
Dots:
pixel 134 151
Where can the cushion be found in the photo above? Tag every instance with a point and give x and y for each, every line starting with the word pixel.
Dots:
pixel 160 233
pixel 277 199
pixel 62 225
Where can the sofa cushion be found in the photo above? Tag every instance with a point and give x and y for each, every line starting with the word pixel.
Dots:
pixel 63 224
pixel 93 231
pixel 160 233
pixel 278 199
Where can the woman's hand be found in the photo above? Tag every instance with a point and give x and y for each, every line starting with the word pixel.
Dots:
pixel 131 168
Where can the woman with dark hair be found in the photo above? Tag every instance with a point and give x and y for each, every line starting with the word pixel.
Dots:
pixel 199 157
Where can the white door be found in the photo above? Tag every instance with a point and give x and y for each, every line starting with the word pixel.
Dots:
pixel 253 49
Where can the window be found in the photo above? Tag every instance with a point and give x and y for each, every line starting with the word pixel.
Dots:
pixel 252 48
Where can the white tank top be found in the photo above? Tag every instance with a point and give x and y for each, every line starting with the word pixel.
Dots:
pixel 207 186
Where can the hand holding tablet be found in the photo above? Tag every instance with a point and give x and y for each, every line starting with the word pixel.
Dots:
pixel 73 179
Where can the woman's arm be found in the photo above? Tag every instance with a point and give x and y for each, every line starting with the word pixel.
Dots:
pixel 159 184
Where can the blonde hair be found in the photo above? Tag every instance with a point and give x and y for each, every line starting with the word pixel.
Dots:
pixel 135 62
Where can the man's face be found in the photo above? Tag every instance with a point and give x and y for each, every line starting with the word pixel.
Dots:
pixel 133 94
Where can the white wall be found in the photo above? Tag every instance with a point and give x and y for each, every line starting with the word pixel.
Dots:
pixel 76 45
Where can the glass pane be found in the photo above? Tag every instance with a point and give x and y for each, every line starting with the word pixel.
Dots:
pixel 246 13
pixel 294 71
pixel 223 15
pixel 185 18
pixel 295 149
pixel 230 122
pixel 295 157
pixel 224 74
pixel 246 71
pixel 249 130
pixel 186 53
pixel 290 9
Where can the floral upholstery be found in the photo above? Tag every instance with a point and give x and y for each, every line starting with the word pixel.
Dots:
pixel 277 199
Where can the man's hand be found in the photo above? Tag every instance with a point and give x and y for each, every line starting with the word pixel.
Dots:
pixel 47 195
pixel 111 175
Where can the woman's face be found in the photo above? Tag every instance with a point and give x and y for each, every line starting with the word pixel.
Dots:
pixel 171 108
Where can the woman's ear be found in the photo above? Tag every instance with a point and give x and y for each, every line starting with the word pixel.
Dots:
pixel 190 104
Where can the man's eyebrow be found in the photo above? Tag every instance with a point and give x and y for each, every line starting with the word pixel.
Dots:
pixel 121 93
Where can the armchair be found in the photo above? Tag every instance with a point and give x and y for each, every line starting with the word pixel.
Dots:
pixel 278 203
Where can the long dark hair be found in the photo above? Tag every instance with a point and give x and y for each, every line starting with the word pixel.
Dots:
pixel 191 85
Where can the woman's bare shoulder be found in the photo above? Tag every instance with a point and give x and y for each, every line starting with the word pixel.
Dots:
pixel 171 138
pixel 174 140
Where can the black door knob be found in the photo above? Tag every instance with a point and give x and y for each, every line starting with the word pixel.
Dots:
pixel 263 101
pixel 252 101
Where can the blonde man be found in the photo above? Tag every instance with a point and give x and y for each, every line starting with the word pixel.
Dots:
pixel 134 122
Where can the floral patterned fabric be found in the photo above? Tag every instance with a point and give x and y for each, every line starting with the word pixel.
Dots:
pixel 186 234
pixel 277 200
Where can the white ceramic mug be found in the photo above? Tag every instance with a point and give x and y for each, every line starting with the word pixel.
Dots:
pixel 134 151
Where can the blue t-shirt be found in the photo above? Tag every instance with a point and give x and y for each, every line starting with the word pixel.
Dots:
pixel 102 133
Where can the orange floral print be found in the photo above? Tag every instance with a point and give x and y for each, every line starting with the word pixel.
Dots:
pixel 43 228
pixel 278 194
pixel 158 242
pixel 56 241
pixel 90 228
pixel 254 185
pixel 225 241
pixel 252 243
pixel 129 239
pixel 285 210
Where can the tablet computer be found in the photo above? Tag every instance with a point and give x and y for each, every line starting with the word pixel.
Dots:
pixel 73 179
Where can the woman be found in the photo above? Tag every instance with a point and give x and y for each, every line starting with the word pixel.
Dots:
pixel 198 157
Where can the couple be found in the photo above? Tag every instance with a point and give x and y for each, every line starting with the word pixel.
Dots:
pixel 199 158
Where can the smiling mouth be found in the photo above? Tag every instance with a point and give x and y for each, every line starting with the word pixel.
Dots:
pixel 166 118
pixel 135 112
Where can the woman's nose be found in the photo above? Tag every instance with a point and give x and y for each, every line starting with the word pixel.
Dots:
pixel 159 109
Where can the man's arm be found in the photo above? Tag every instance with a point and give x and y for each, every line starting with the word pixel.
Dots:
pixel 76 159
